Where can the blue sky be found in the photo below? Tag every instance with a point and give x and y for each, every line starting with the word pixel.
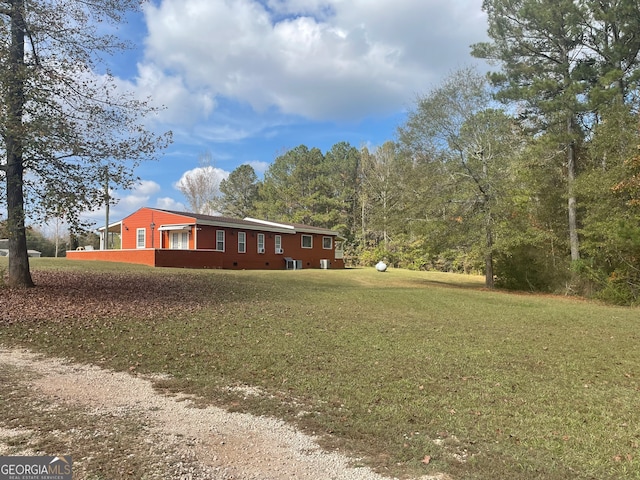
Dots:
pixel 246 80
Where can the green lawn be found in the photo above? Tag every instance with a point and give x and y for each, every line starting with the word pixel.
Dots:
pixel 391 367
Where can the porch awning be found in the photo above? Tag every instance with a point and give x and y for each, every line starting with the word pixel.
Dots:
pixel 113 227
pixel 175 227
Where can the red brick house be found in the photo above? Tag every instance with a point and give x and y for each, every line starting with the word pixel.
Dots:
pixel 164 238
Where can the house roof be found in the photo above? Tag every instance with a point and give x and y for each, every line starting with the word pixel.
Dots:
pixel 250 223
pixel 221 221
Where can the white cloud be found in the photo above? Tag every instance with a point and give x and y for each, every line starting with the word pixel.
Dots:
pixel 181 104
pixel 147 187
pixel 139 196
pixel 216 175
pixel 167 203
pixel 331 59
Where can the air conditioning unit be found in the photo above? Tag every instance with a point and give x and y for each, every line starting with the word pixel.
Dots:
pixel 324 264
pixel 261 250
pixel 279 250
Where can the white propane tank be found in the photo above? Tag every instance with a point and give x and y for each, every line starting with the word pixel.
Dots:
pixel 381 266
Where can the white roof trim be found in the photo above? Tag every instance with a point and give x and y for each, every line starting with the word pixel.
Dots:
pixel 271 224
pixel 244 226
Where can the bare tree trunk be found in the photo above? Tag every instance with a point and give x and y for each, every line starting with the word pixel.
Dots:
pixel 488 261
pixel 19 273
pixel 385 239
pixel 488 257
pixel 574 241
pixel 57 236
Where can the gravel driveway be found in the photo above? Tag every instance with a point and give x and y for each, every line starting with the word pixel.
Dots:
pixel 209 443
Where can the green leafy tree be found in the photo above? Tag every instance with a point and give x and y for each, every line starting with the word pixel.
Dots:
pixel 383 175
pixel 611 48
pixel 63 122
pixel 342 164
pixel 531 249
pixel 538 45
pixel 610 193
pixel 563 62
pixel 239 192
pixel 471 144
pixel 297 188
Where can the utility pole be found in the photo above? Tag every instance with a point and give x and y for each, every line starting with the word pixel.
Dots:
pixel 106 202
pixel 57 235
